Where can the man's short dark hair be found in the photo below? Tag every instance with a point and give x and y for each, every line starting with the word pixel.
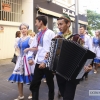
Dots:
pixel 82 26
pixel 43 19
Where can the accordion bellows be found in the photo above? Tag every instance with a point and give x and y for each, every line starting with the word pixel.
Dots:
pixel 67 58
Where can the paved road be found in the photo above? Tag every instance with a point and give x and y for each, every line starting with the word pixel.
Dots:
pixel 8 91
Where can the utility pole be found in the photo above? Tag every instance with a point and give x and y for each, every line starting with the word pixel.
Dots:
pixel 76 16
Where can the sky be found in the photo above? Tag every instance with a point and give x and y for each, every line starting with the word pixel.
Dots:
pixel 90 4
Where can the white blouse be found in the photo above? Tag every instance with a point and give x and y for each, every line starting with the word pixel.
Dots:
pixel 42 50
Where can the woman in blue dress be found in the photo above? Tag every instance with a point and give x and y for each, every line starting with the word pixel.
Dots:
pixel 23 72
pixel 96 46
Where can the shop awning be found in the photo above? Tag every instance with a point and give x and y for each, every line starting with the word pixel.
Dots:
pixel 82 22
pixel 52 13
pixel 48 12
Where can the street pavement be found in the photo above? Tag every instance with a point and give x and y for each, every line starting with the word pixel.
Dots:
pixel 9 91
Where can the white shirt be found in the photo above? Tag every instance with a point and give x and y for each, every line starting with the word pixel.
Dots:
pixel 42 50
pixel 16 42
pixel 88 42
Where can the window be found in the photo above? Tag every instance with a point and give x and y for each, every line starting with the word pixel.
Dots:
pixel 55 26
pixel 10 10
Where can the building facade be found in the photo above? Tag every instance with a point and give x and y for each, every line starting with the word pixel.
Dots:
pixel 12 14
pixel 56 8
pixel 15 12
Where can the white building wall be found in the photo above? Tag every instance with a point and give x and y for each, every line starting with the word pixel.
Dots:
pixel 68 4
pixel 27 16
pixel 7 39
pixel 64 3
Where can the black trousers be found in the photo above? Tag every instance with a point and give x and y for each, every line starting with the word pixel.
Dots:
pixel 85 74
pixel 38 75
pixel 66 88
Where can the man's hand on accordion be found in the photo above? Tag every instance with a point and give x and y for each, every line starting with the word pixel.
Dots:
pixel 42 65
pixel 87 68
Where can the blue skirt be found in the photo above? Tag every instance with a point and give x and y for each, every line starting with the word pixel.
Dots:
pixel 20 78
pixel 96 60
pixel 23 72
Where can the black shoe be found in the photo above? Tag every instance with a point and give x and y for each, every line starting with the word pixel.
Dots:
pixel 51 97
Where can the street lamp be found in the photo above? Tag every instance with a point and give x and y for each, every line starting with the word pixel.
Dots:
pixel 76 16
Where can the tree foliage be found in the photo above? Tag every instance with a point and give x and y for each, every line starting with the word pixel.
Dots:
pixel 93 20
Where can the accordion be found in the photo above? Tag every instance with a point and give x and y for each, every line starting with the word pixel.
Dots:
pixel 67 58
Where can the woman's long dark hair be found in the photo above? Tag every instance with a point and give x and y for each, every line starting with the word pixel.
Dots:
pixel 17 34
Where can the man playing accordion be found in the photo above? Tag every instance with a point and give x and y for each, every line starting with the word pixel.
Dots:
pixel 68 88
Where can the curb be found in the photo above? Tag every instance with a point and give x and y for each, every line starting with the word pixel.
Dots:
pixel 5 62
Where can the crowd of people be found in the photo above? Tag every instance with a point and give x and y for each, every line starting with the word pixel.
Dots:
pixel 32 53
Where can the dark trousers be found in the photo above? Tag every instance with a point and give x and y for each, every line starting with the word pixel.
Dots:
pixel 66 88
pixel 35 84
pixel 85 74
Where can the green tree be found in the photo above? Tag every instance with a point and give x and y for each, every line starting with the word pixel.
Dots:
pixel 93 21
